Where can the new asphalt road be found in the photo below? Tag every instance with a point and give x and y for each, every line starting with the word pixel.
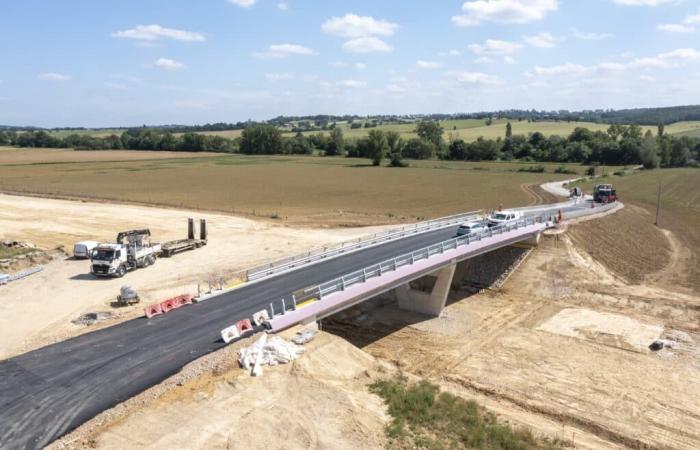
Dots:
pixel 50 391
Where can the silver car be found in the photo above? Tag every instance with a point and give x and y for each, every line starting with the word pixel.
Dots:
pixel 470 228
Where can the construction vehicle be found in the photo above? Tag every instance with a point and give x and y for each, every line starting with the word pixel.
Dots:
pixel 114 260
pixel 171 247
pixel 604 193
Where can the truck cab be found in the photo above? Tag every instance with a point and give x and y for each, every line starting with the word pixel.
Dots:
pixel 108 260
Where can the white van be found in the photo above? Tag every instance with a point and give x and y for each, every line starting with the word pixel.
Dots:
pixel 501 218
pixel 83 249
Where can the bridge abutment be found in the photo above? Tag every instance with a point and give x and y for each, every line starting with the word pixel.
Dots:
pixel 427 303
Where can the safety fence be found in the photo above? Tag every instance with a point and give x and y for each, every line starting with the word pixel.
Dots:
pixel 318 292
pixel 291 262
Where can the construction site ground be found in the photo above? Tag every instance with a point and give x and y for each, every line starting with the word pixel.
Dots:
pixel 560 348
pixel 38 310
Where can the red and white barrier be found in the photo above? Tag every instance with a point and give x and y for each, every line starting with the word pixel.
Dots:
pixel 244 326
pixel 168 305
pixel 153 310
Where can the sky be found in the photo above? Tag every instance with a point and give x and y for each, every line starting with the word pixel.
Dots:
pixel 132 62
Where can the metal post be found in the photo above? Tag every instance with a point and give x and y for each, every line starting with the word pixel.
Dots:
pixel 342 283
pixel 658 203
pixel 272 309
pixel 364 275
pixel 284 306
pixel 294 301
pixel 199 292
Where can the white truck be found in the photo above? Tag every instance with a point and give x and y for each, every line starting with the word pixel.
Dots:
pixel 114 260
pixel 500 218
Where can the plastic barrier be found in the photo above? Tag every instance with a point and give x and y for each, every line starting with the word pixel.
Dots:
pixel 230 333
pixel 153 310
pixel 244 326
pixel 182 300
pixel 260 317
pixel 168 305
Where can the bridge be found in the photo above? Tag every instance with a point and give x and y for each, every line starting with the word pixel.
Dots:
pixel 50 391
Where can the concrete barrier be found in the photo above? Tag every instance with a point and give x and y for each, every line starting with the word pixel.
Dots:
pixel 230 333
pixel 261 317
pixel 168 305
pixel 182 300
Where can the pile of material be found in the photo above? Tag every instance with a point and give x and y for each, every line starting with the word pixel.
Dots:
pixel 271 351
pixel 93 318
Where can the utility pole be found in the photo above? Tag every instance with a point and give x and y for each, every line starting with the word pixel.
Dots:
pixel 658 203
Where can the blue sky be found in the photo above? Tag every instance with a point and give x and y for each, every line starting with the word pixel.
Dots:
pixel 108 63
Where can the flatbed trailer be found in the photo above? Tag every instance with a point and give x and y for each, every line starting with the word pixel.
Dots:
pixel 171 247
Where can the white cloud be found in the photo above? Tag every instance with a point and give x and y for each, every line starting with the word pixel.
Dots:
pixel 504 11
pixel 475 77
pixel 495 47
pixel 589 36
pixel 641 2
pixel 169 64
pixel 541 40
pixel 647 78
pixel 53 76
pixel 283 51
pixel 366 45
pixel 509 60
pixel 279 76
pixel 150 33
pixel 395 88
pixel 351 83
pixel 675 28
pixel 354 26
pixel 692 19
pixel 360 66
pixel 243 3
pixel 283 6
pixel 483 60
pixel 428 65
pixel 665 60
pixel 338 64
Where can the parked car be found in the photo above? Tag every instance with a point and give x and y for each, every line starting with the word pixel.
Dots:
pixel 83 249
pixel 501 218
pixel 470 228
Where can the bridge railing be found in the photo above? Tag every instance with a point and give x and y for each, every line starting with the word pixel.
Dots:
pixel 318 292
pixel 328 252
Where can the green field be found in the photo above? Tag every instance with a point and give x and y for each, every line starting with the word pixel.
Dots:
pixel 314 190
pixel 471 129
pixel 466 129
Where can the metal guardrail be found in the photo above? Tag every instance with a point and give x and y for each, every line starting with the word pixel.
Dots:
pixel 317 292
pixel 329 252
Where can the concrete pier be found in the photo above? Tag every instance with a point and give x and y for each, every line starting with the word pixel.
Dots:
pixel 427 303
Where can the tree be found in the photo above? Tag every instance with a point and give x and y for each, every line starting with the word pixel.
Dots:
pixel 458 150
pixel 660 130
pixel 377 146
pixel 418 149
pixel 336 146
pixel 648 153
pixel 430 131
pixel 509 131
pixel 261 139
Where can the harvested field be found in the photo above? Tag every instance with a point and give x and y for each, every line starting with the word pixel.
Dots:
pixel 668 255
pixel 300 190
pixel 10 156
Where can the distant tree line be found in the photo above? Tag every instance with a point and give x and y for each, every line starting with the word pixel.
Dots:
pixel 620 144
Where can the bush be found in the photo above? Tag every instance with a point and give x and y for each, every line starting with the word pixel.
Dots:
pixel 563 169
pixel 533 169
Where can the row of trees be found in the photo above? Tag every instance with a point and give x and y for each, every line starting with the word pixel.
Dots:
pixel 620 144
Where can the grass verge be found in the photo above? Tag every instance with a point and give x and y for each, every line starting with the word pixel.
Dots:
pixel 424 417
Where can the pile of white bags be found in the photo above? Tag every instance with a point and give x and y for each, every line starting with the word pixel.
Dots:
pixel 272 351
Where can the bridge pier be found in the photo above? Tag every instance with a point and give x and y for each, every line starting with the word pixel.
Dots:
pixel 427 303
pixel 533 241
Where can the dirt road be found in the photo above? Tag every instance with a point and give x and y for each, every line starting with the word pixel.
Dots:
pixel 37 310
